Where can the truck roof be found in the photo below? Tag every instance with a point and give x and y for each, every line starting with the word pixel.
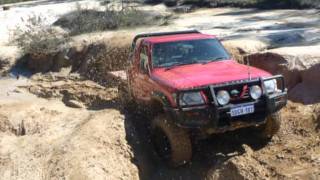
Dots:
pixel 178 37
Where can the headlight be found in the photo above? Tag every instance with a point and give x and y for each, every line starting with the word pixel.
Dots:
pixel 271 85
pixel 191 98
pixel 255 92
pixel 223 97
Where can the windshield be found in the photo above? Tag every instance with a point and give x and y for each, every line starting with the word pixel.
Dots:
pixel 187 52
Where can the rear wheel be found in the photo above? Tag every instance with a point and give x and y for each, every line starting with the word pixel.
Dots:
pixel 172 143
pixel 272 126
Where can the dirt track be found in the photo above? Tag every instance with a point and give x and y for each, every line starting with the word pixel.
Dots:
pixel 44 139
pixel 56 141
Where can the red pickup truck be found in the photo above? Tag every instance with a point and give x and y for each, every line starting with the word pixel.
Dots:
pixel 191 85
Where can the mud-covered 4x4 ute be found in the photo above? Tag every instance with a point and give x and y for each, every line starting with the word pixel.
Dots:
pixel 191 85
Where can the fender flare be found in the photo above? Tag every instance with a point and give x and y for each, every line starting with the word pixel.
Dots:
pixel 162 98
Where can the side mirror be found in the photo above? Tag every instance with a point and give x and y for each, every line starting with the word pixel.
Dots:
pixel 145 68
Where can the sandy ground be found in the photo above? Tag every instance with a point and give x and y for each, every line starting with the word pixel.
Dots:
pixel 42 138
pixel 51 11
pixel 45 139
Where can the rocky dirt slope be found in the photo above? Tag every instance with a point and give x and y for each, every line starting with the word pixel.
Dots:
pixel 45 139
pixel 299 65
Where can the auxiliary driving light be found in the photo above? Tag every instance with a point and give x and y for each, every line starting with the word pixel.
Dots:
pixel 255 92
pixel 223 97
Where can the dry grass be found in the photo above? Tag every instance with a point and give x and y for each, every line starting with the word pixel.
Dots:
pixel 114 16
pixel 36 37
pixel 11 1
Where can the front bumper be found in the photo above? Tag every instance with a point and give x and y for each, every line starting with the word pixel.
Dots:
pixel 218 118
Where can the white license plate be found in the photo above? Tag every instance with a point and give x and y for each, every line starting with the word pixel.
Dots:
pixel 242 110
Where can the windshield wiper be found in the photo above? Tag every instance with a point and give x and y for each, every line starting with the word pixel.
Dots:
pixel 216 59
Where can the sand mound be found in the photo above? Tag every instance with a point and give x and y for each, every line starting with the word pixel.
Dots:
pixel 240 167
pixel 299 65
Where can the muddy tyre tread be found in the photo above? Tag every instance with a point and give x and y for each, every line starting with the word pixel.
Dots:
pixel 125 100
pixel 180 142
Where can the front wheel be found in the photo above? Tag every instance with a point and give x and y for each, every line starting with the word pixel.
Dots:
pixel 125 99
pixel 172 143
pixel 272 126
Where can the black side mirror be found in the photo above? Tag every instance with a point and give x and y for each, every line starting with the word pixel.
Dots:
pixel 145 68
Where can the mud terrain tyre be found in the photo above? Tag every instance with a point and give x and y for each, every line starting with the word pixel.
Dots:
pixel 172 143
pixel 271 127
pixel 125 100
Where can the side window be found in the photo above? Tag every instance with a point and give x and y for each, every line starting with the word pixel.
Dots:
pixel 144 59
